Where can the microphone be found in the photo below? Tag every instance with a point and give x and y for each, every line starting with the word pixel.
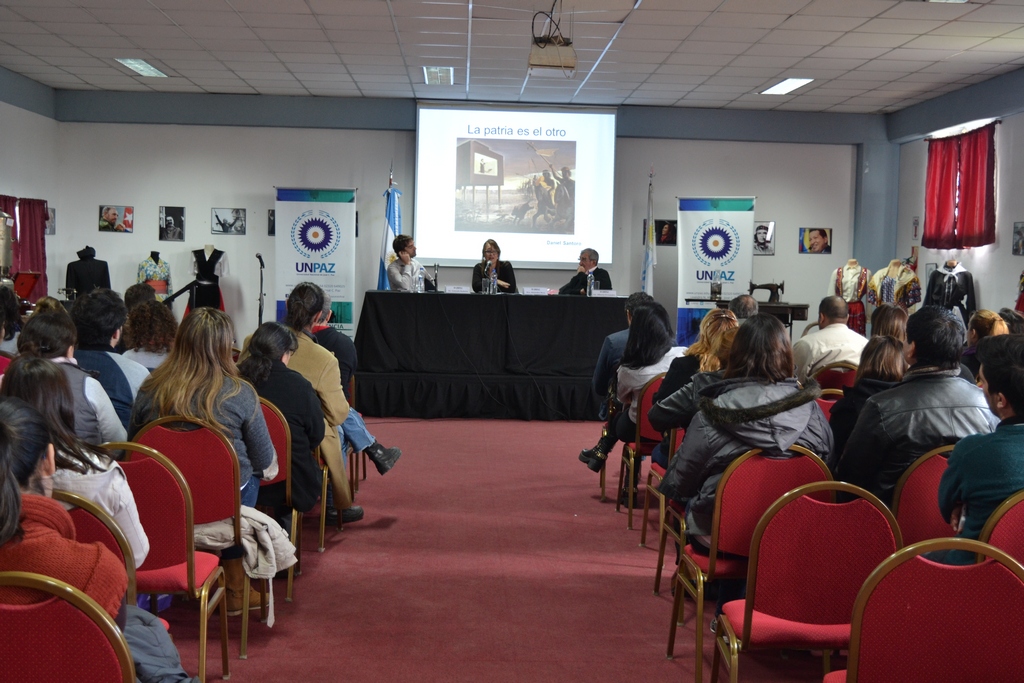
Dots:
pixel 260 257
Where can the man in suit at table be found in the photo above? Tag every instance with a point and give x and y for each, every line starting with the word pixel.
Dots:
pixel 588 265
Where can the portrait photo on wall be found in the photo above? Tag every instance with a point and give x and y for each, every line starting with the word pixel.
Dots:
pixel 172 223
pixel 227 222
pixel 1018 239
pixel 271 222
pixel 815 240
pixel 665 232
pixel 51 222
pixel 764 238
pixel 116 218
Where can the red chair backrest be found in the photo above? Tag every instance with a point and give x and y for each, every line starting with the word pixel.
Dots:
pixel 677 438
pixel 64 637
pixel 646 400
pixel 909 597
pixel 748 488
pixel 206 459
pixel 164 505
pixel 809 558
pixel 90 529
pixel 915 498
pixel 836 377
pixel 1005 527
pixel 280 436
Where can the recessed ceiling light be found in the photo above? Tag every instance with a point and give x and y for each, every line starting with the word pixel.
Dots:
pixel 143 68
pixel 787 86
pixel 438 75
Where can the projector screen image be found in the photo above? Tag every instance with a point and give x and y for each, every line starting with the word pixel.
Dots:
pixel 540 182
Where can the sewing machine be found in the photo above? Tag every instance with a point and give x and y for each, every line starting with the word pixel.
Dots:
pixel 774 290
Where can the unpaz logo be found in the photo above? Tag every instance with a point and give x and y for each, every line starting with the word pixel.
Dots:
pixel 315 233
pixel 716 242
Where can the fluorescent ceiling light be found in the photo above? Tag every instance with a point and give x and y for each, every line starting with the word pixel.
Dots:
pixel 787 86
pixel 143 68
pixel 438 75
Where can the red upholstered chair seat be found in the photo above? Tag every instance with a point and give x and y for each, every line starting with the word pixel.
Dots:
pixel 174 579
pixel 725 567
pixel 835 677
pixel 658 470
pixel 772 632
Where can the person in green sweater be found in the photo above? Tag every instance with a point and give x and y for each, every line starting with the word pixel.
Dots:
pixel 986 469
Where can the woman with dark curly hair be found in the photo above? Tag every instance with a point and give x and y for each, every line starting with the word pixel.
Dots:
pixel 149 333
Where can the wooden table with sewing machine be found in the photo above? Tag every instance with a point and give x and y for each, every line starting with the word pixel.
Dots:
pixel 785 312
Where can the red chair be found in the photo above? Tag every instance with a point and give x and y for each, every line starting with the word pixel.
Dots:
pixel 1004 528
pixel 808 560
pixel 828 399
pixel 281 437
pixel 173 565
pixel 94 525
pixel 657 472
pixel 915 500
pixel 836 375
pixel 747 488
pixel 647 437
pixel 65 637
pixel 918 620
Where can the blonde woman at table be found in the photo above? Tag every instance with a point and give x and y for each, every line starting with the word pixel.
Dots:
pixel 491 263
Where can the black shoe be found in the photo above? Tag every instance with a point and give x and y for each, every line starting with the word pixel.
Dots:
pixel 350 514
pixel 593 458
pixel 624 499
pixel 383 458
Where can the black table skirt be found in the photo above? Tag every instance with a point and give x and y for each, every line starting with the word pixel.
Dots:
pixel 452 355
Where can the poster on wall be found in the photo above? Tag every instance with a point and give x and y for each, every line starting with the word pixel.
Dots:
pixel 116 218
pixel 815 241
pixel 316 243
pixel 715 242
pixel 51 222
pixel 665 232
pixel 227 222
pixel 172 223
pixel 1018 239
pixel 764 238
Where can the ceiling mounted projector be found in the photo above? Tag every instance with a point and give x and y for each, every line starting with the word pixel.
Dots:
pixel 551 54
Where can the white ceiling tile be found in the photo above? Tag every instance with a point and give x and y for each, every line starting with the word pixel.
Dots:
pixel 371 37
pixel 234 45
pixel 749 20
pixel 23 61
pixel 801 37
pixel 221 34
pixel 642 31
pixel 780 50
pixel 750 72
pixel 144 34
pixel 280 20
pixel 132 17
pixel 60 14
pixel 860 39
pixel 1004 45
pixel 290 7
pixel 300 46
pixel 667 17
pixel 817 22
pixel 186 18
pixel 1013 14
pixel 356 23
pixel 687 70
pixel 899 26
pixel 622 57
pixel 764 62
pixel 747 81
pixel 33 40
pixel 339 77
pixel 349 7
pixel 845 8
pixel 657 80
pixel 698 47
pixel 244 56
pixel 308 59
pixel 903 54
pixel 974 28
pixel 699 59
pixel 295 34
pixel 980 55
pixel 833 52
pixel 641 45
pixel 938 11
pixel 728 35
pixel 834 64
pixel 100 41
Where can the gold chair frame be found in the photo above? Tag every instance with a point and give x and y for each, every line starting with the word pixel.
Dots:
pixel 630 457
pixel 902 481
pixel 295 533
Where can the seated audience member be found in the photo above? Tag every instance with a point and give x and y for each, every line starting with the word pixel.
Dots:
pixel 10 320
pixel 138 294
pixel 82 468
pixel 53 336
pixel 492 263
pixel 882 366
pixel 931 407
pixel 588 265
pixel 743 306
pixel 149 333
pixel 648 353
pixel 199 380
pixel 269 350
pixel 402 271
pixel 986 469
pixel 353 429
pixel 98 317
pixel 48 304
pixel 889 320
pixel 611 354
pixel 758 404
pixel 1014 320
pixel 698 357
pixel 832 342
pixel 38 536
pixel 982 324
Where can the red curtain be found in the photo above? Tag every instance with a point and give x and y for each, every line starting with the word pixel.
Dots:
pixel 960 197
pixel 940 194
pixel 30 247
pixel 976 208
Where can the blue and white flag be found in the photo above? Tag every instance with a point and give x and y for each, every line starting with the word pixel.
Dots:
pixel 392 229
pixel 650 259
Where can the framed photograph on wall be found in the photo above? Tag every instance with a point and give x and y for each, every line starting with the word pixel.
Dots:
pixel 815 241
pixel 664 232
pixel 929 268
pixel 51 221
pixel 764 238
pixel 172 223
pixel 1018 239
pixel 116 218
pixel 227 221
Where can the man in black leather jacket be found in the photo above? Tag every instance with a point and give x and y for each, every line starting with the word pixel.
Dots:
pixel 931 407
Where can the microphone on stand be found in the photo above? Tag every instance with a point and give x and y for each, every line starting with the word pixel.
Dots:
pixel 260 257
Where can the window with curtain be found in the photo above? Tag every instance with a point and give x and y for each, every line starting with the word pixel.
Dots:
pixel 960 201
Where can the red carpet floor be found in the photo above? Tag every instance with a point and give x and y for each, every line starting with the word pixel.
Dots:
pixel 485 555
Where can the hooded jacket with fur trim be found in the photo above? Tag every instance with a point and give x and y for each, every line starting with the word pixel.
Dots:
pixel 735 416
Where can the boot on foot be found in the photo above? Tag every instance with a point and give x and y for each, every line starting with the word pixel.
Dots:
pixel 382 458
pixel 234 579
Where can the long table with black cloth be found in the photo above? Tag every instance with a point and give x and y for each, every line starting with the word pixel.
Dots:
pixel 439 355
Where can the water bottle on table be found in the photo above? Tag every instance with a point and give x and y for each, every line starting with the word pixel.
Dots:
pixel 590 284
pixel 420 276
pixel 493 287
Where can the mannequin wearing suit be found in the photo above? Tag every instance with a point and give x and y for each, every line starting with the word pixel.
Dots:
pixel 87 273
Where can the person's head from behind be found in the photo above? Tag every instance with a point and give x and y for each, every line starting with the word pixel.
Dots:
pixel 150 327
pixel 832 310
pixel 889 320
pixel 650 336
pixel 1014 320
pixel 204 341
pixel 48 335
pixel 713 324
pixel 1002 374
pixel 934 338
pixel 137 294
pixel 491 251
pixel 26 461
pixel 985 324
pixel 721 345
pixel 761 350
pixel 9 313
pixel 882 359
pixel 636 299
pixel 305 306
pixel 98 316
pixel 48 304
pixel 743 306
pixel 271 342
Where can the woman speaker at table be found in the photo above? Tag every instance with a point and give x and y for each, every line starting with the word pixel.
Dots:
pixel 491 262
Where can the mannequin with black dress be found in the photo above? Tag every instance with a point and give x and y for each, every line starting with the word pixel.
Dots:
pixel 952 286
pixel 87 273
pixel 208 265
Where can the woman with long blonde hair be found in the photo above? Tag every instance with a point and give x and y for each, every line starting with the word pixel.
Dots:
pixel 699 357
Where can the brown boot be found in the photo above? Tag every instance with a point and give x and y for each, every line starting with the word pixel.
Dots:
pixel 235 578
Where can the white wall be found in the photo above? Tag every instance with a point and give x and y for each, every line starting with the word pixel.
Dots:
pixel 996 270
pixel 28 153
pixel 796 186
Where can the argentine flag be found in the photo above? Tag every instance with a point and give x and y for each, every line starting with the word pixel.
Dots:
pixel 392 229
pixel 650 260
